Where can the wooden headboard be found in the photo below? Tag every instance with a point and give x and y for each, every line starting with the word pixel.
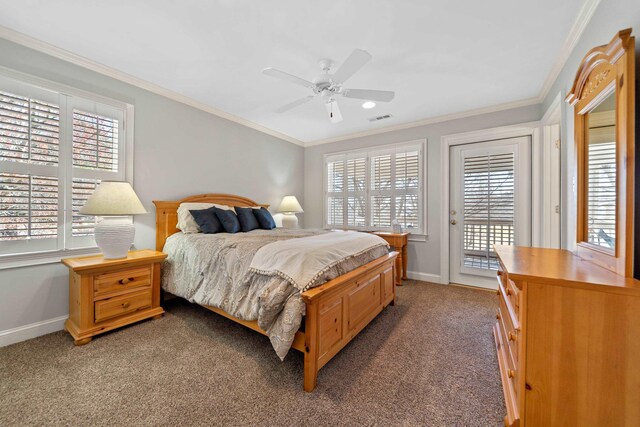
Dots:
pixel 167 212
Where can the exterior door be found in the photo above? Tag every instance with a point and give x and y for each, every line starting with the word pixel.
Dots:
pixel 490 203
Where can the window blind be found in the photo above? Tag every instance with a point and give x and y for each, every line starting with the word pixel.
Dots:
pixel 489 208
pixel 367 189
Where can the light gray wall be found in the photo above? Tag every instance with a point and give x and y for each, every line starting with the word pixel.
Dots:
pixel 424 257
pixel 610 17
pixel 179 151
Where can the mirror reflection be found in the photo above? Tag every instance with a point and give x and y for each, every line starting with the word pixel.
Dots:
pixel 601 174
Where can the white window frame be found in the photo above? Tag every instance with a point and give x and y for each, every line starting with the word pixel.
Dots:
pixel 368 152
pixel 68 98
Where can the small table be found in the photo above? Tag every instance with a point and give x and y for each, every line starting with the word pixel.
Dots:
pixel 106 294
pixel 399 242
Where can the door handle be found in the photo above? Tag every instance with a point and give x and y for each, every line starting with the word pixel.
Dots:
pixel 454 222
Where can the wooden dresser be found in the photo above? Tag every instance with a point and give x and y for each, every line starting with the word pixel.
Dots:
pixel 106 294
pixel 568 340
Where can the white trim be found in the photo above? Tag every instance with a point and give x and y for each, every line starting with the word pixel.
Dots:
pixel 531 129
pixel 551 181
pixel 425 277
pixel 584 16
pixel 26 332
pixel 40 258
pixel 65 55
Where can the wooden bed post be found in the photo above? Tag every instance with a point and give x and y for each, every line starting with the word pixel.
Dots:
pixel 311 347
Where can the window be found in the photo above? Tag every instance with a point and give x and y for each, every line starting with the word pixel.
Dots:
pixel 55 148
pixel 368 189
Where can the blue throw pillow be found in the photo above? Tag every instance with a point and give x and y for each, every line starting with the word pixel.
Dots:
pixel 207 221
pixel 264 218
pixel 228 219
pixel 247 220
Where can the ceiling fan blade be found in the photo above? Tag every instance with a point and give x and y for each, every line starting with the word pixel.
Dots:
pixel 270 71
pixel 294 104
pixel 334 112
pixel 353 63
pixel 369 95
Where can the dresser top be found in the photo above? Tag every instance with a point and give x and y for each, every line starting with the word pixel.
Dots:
pixel 557 265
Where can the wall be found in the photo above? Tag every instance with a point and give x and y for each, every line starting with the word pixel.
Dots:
pixel 424 257
pixel 608 19
pixel 179 151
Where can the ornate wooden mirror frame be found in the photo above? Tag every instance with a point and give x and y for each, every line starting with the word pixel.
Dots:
pixel 605 72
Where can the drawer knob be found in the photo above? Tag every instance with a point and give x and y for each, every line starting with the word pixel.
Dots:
pixel 125 305
pixel 125 281
pixel 498 292
pixel 498 316
pixel 512 336
pixel 511 373
pixel 508 291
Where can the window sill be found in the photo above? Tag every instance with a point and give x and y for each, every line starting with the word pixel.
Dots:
pixel 413 237
pixel 41 258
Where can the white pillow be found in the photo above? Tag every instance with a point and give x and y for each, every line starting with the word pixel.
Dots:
pixel 186 223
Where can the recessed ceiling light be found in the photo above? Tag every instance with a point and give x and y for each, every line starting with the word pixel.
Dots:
pixel 367 105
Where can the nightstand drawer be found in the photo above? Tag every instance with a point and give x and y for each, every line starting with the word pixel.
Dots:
pixel 121 280
pixel 117 306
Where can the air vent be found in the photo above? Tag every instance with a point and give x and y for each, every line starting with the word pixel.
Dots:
pixel 375 119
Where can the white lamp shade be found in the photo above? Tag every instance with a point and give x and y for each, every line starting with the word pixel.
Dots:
pixel 290 205
pixel 113 198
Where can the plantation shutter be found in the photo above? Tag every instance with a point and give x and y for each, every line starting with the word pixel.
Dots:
pixel 335 192
pixel 489 209
pixel 356 172
pixel 601 200
pixel 96 155
pixel 29 159
pixel 381 186
pixel 407 186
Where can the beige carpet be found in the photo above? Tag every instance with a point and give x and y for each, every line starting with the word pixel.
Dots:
pixel 428 361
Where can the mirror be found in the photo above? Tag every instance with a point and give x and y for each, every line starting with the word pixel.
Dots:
pixel 603 98
pixel 601 173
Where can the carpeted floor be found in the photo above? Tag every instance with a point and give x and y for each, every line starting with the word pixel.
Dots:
pixel 428 361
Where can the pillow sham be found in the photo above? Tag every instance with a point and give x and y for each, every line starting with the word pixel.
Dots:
pixel 264 218
pixel 186 223
pixel 207 220
pixel 228 219
pixel 247 219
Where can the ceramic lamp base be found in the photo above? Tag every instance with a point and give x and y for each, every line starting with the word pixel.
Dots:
pixel 289 221
pixel 114 236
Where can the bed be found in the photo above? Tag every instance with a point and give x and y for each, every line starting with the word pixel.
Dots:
pixel 334 311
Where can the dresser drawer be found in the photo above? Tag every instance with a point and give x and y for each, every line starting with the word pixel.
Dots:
pixel 510 335
pixel 120 305
pixel 513 293
pixel 121 280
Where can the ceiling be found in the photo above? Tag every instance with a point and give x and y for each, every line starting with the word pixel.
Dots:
pixel 439 57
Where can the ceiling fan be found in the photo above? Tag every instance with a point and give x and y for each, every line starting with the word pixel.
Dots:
pixel 328 85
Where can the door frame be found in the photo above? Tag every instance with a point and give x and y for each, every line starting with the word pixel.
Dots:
pixel 531 129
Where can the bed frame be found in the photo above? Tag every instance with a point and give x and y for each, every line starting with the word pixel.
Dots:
pixel 336 311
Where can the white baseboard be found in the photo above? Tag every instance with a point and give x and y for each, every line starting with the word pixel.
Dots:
pixel 26 332
pixel 425 277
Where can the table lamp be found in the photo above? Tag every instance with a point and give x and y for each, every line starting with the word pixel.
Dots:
pixel 289 208
pixel 114 201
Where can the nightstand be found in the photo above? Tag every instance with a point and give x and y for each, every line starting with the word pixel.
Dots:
pixel 105 294
pixel 399 242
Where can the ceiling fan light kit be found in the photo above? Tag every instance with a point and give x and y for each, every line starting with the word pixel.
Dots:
pixel 328 86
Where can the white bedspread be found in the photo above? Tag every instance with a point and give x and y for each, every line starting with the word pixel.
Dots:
pixel 303 261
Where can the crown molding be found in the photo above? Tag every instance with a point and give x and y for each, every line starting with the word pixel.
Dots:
pixel 81 61
pixel 429 121
pixel 584 16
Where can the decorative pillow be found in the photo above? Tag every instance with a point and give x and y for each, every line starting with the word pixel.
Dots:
pixel 186 223
pixel 228 219
pixel 264 218
pixel 207 220
pixel 247 220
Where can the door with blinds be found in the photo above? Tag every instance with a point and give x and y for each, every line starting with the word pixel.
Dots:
pixel 490 203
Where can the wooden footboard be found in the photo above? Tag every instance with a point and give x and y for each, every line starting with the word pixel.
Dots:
pixel 338 310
